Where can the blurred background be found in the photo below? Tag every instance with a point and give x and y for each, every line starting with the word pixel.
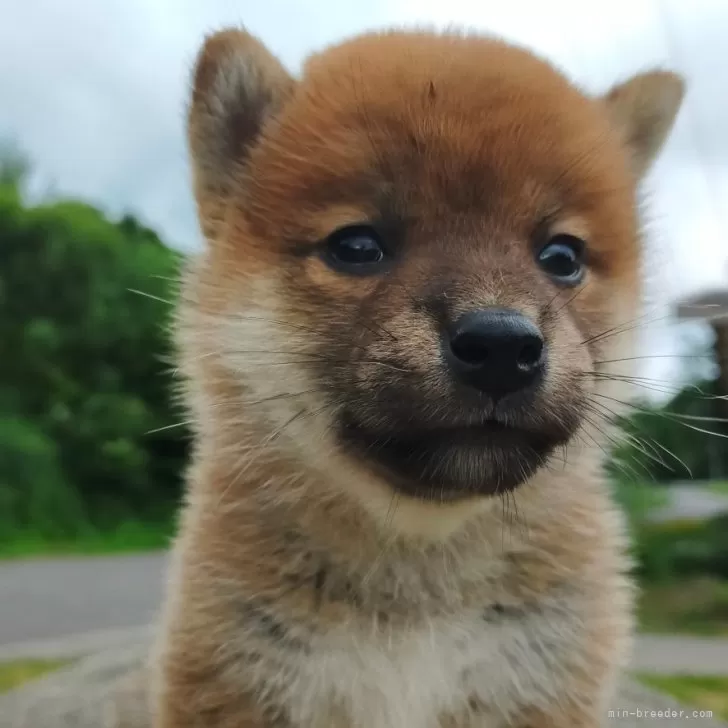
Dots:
pixel 96 218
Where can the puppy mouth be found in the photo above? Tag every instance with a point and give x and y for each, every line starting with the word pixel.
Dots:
pixel 448 463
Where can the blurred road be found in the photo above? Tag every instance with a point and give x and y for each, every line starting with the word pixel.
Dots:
pixel 680 655
pixel 56 607
pixel 49 598
pixel 691 501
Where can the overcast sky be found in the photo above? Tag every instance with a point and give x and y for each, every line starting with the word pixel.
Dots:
pixel 94 92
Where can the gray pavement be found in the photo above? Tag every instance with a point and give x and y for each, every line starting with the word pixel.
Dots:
pixel 690 501
pixel 46 599
pixel 681 654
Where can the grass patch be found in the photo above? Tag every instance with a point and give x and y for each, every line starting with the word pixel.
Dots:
pixel 720 487
pixel 706 692
pixel 687 606
pixel 130 537
pixel 15 673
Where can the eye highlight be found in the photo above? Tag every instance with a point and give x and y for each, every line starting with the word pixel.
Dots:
pixel 562 258
pixel 355 249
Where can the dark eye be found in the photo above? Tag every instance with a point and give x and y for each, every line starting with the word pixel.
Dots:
pixel 356 249
pixel 562 257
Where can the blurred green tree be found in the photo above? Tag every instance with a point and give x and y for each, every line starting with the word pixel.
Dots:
pixel 84 380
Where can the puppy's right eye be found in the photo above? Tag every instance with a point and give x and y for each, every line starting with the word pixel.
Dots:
pixel 356 249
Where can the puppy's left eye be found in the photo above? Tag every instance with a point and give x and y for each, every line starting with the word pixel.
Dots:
pixel 562 258
pixel 356 249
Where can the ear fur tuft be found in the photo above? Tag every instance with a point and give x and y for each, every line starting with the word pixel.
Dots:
pixel 644 109
pixel 237 85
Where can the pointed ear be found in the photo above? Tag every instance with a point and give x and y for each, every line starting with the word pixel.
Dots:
pixel 237 85
pixel 644 109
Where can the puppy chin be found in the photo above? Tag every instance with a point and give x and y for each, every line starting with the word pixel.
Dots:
pixel 452 464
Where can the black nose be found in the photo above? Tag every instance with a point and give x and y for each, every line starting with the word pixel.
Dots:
pixel 497 351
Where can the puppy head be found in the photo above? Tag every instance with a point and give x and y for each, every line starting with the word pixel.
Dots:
pixel 417 251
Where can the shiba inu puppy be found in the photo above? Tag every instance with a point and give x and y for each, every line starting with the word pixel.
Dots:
pixel 398 348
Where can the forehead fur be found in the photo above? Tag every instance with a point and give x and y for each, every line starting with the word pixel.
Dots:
pixel 432 125
pixel 390 66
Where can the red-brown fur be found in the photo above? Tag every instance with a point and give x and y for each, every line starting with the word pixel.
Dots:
pixel 289 545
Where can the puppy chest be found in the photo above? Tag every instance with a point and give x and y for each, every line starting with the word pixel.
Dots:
pixel 403 682
pixel 415 680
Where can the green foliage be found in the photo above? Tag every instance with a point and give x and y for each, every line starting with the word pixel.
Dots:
pixel 83 379
pixel 33 488
pixel 130 536
pixel 14 165
pixel 674 441
pixel 706 692
pixel 666 551
pixel 665 444
pixel 697 605
pixel 637 498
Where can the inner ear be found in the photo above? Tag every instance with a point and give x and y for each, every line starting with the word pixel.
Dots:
pixel 644 110
pixel 238 84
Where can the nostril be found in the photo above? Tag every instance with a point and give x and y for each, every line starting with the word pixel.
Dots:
pixel 470 348
pixel 530 354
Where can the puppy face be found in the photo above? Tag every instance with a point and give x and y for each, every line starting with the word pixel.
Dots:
pixel 434 235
